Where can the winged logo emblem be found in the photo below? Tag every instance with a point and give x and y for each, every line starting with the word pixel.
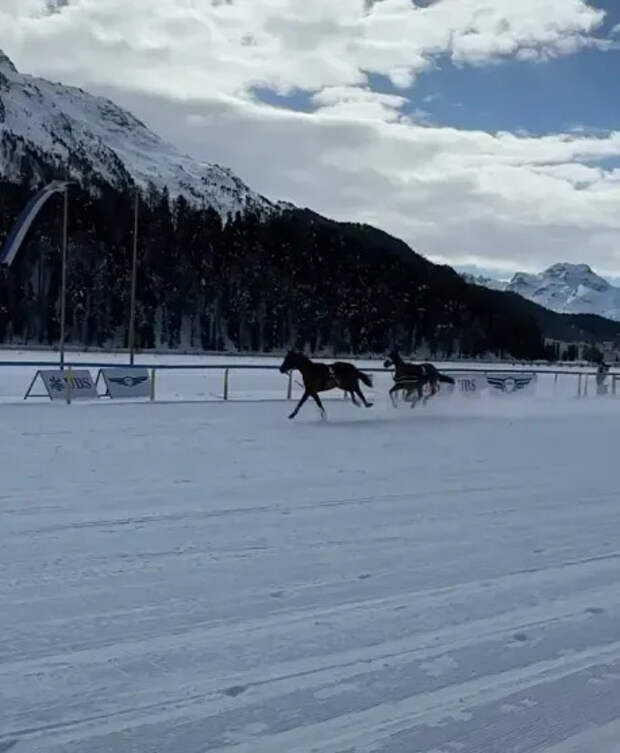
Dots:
pixel 510 383
pixel 128 381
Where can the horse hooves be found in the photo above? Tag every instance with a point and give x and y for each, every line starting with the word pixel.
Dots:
pixel 292 415
pixel 369 405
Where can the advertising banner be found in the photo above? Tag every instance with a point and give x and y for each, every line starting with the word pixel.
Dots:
pixel 82 385
pixel 127 383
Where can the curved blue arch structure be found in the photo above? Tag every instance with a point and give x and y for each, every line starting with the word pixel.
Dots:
pixel 26 218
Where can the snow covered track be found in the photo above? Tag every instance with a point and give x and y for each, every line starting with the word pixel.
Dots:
pixel 189 578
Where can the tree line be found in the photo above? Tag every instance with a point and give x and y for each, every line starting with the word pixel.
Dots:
pixel 246 283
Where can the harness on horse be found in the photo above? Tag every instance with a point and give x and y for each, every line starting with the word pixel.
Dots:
pixel 423 372
pixel 407 379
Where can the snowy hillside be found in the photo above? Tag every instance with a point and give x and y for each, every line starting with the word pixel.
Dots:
pixel 569 289
pixel 485 282
pixel 45 126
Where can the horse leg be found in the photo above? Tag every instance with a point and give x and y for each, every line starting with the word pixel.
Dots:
pixel 361 395
pixel 353 398
pixel 434 391
pixel 304 397
pixel 426 397
pixel 417 400
pixel 317 400
pixel 392 393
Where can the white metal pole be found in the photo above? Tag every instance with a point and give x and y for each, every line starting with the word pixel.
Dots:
pixel 134 264
pixel 63 285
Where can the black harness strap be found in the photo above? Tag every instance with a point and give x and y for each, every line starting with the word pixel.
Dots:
pixel 333 377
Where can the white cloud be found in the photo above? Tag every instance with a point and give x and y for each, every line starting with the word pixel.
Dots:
pixel 358 103
pixel 459 196
pixel 190 68
pixel 191 48
pixel 22 8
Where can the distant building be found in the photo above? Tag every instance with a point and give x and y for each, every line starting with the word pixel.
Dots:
pixel 582 351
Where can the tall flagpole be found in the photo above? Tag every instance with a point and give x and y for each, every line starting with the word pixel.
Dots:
pixel 134 264
pixel 63 285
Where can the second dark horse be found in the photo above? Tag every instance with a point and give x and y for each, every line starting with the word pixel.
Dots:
pixel 320 377
pixel 411 378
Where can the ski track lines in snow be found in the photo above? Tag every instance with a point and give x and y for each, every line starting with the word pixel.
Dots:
pixel 191 578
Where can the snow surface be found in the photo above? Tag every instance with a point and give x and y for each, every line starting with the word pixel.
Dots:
pixel 66 125
pixel 184 578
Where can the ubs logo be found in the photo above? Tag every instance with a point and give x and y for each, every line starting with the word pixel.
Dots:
pixel 77 383
pixel 467 385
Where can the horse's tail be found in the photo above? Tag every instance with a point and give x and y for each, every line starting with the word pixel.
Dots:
pixel 366 378
pixel 445 378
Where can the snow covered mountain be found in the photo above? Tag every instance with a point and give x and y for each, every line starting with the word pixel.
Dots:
pixel 50 130
pixel 569 289
pixel 485 282
pixel 565 288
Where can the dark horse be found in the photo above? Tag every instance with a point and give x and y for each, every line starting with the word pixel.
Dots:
pixel 320 377
pixel 411 378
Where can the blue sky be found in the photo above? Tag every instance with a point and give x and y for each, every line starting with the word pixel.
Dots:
pixel 580 91
pixel 560 95
pixel 570 91
pixel 564 93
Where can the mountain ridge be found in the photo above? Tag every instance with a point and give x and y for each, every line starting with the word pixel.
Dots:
pixel 563 287
pixel 91 140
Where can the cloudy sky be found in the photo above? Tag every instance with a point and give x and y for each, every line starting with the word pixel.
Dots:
pixel 483 132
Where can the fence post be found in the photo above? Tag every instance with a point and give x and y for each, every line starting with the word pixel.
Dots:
pixel 226 384
pixel 585 387
pixel 69 380
pixel 153 372
pixel 579 385
pixel 289 389
pixel 555 383
pixel 614 379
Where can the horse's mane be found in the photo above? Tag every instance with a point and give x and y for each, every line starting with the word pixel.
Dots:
pixel 299 356
pixel 395 358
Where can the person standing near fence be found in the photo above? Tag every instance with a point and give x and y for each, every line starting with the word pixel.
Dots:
pixel 601 378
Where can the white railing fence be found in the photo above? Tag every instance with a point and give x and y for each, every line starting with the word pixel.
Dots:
pixel 264 382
